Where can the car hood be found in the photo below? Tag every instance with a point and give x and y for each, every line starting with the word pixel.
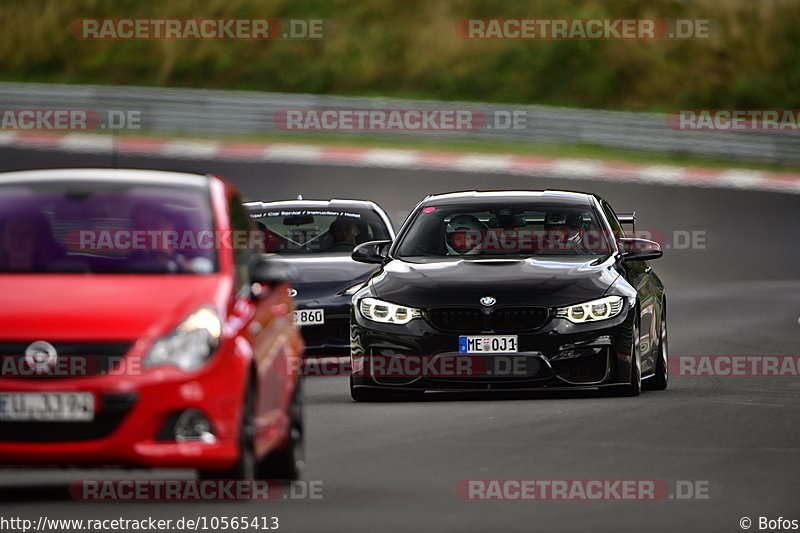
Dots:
pixel 543 281
pixel 325 275
pixel 95 307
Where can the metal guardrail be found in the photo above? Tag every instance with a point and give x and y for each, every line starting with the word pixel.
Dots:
pixel 209 112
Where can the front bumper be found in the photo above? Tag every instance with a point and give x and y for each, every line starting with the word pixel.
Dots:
pixel 560 354
pixel 333 337
pixel 132 413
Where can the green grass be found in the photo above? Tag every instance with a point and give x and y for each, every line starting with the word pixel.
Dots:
pixel 409 48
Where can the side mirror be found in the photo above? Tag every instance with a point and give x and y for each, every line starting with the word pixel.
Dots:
pixel 640 249
pixel 371 252
pixel 270 270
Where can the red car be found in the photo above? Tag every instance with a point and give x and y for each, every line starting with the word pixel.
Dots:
pixel 139 327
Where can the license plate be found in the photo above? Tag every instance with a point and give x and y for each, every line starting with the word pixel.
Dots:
pixel 309 317
pixel 47 406
pixel 487 344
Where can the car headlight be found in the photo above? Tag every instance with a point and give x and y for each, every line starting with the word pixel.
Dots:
pixel 601 309
pixel 388 313
pixel 190 344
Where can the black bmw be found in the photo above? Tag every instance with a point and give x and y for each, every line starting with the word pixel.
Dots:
pixel 317 237
pixel 509 290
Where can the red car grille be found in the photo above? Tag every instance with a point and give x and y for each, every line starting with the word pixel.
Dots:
pixel 73 359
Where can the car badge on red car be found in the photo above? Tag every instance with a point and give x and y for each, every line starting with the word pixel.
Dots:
pixel 41 356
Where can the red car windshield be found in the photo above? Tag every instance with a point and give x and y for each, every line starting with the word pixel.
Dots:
pixel 109 228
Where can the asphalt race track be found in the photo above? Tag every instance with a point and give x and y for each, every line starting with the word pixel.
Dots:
pixel 394 467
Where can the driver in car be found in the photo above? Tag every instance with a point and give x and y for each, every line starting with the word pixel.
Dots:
pixel 164 257
pixel 344 231
pixel 563 231
pixel 464 234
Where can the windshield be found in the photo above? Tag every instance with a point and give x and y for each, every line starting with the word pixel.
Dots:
pixel 92 227
pixel 315 230
pixel 519 230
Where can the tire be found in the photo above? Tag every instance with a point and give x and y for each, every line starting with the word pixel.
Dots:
pixel 661 378
pixel 288 463
pixel 245 467
pixel 634 386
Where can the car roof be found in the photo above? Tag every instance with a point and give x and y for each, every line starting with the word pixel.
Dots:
pixel 144 177
pixel 312 204
pixel 466 197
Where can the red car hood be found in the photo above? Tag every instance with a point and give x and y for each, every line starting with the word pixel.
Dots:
pixel 100 306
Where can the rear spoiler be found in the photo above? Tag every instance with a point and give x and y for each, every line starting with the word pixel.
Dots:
pixel 628 218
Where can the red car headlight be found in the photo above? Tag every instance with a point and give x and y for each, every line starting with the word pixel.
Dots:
pixel 190 344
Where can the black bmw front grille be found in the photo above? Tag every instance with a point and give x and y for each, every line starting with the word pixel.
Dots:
pixel 501 320
pixel 460 319
pixel 324 339
pixel 513 319
pixel 74 359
